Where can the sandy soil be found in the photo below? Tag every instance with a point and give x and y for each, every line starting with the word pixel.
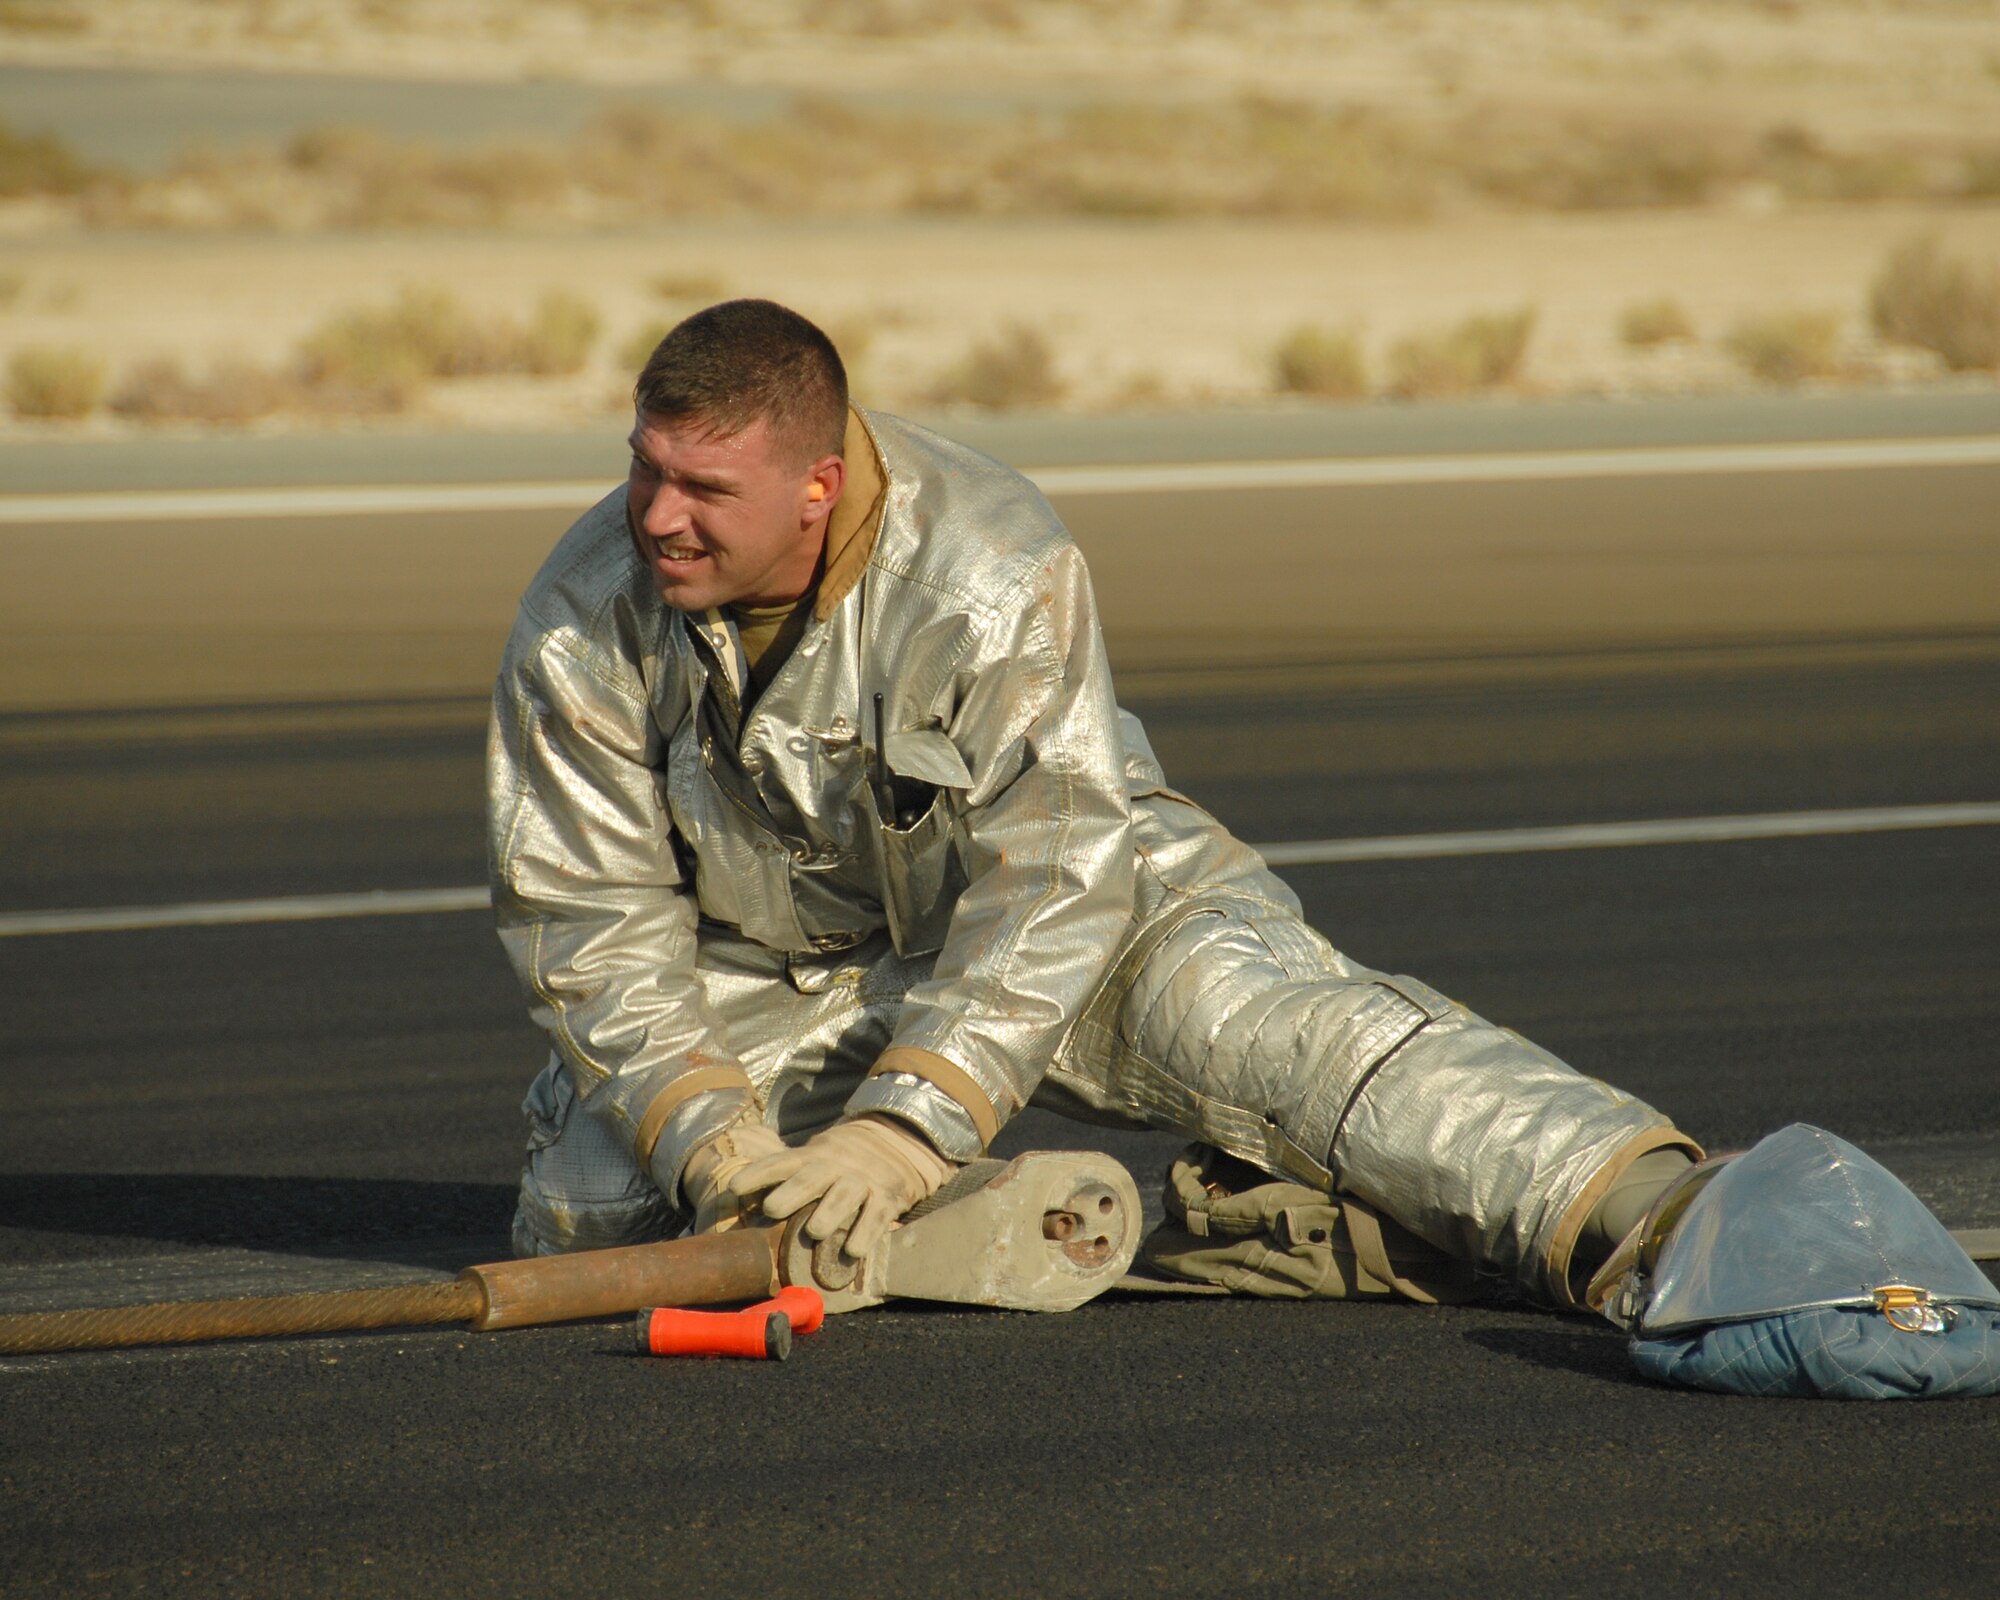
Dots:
pixel 1139 315
pixel 1170 313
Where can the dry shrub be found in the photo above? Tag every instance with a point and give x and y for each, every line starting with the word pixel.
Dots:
pixel 1326 362
pixel 640 343
pixel 55 382
pixel 232 391
pixel 853 336
pixel 1924 298
pixel 1482 352
pixel 1143 390
pixel 1252 156
pixel 1590 165
pixel 699 13
pixel 1979 178
pixel 360 178
pixel 1611 161
pixel 40 163
pixel 700 288
pixel 417 336
pixel 640 161
pixel 25 16
pixel 916 19
pixel 1646 323
pixel 559 338
pixel 495 184
pixel 1015 368
pixel 426 333
pixel 1787 346
pixel 1803 166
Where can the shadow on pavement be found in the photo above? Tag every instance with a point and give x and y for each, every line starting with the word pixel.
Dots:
pixel 1599 1353
pixel 50 1216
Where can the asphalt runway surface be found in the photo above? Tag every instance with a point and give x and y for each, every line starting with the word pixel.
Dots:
pixel 291 595
pixel 260 1108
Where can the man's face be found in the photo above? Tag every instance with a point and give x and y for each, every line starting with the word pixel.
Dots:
pixel 724 518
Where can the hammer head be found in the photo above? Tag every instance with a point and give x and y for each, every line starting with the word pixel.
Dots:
pixel 1043 1232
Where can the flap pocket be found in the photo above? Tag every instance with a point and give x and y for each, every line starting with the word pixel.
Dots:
pixel 929 756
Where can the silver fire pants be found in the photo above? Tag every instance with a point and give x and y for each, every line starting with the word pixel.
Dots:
pixel 1225 1019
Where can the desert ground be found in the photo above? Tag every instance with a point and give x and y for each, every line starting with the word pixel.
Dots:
pixel 1008 204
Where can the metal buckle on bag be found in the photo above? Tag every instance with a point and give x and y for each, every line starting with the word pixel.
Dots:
pixel 1910 1309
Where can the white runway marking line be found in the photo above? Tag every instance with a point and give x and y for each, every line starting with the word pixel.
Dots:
pixel 1522 466
pixel 230 913
pixel 1616 835
pixel 209 505
pixel 1298 853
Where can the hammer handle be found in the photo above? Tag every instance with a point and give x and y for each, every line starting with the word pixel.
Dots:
pixel 708 1269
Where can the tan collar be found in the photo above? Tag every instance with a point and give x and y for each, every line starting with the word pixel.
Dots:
pixel 851 530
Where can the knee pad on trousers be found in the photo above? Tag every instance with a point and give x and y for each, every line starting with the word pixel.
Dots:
pixel 581 1188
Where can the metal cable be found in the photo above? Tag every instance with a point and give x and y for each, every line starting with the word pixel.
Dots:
pixel 185 1321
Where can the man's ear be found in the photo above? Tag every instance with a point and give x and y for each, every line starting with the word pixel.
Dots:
pixel 823 486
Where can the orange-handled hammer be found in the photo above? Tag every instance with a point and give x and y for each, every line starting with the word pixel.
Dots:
pixel 762 1332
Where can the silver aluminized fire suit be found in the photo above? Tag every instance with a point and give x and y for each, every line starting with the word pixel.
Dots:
pixel 710 912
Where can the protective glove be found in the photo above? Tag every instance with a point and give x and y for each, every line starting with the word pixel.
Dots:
pixel 861 1175
pixel 705 1178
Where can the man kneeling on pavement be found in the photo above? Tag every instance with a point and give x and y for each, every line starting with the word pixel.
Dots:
pixel 821 846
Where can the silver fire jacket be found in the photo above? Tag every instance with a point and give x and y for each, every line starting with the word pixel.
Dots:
pixel 1060 923
pixel 632 802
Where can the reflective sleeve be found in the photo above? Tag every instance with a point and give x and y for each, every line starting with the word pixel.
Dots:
pixel 1047 838
pixel 916 1100
pixel 592 904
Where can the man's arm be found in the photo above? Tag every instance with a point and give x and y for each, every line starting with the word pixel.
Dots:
pixel 1050 866
pixel 593 908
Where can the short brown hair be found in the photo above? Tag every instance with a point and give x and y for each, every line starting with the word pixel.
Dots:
pixel 745 359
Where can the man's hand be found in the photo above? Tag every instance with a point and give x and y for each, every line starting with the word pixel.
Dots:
pixel 705 1179
pixel 860 1175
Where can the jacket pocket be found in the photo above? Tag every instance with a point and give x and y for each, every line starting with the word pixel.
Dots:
pixel 923 873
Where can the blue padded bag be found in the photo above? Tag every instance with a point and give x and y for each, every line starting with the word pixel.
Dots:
pixel 1831 1353
pixel 1804 1267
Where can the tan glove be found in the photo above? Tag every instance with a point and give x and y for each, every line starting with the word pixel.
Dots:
pixel 705 1178
pixel 861 1175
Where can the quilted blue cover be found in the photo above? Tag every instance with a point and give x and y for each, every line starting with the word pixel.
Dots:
pixel 1831 1353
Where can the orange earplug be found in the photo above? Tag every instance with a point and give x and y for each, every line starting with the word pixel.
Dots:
pixel 815 491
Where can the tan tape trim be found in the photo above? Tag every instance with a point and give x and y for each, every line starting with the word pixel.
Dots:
pixel 1570 1229
pixel 857 518
pixel 702 1080
pixel 948 1077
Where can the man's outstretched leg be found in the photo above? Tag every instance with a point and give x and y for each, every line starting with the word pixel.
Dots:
pixel 1230 1020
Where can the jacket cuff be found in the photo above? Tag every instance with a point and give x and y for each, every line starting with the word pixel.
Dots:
pixel 923 1106
pixel 938 1096
pixel 690 1111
